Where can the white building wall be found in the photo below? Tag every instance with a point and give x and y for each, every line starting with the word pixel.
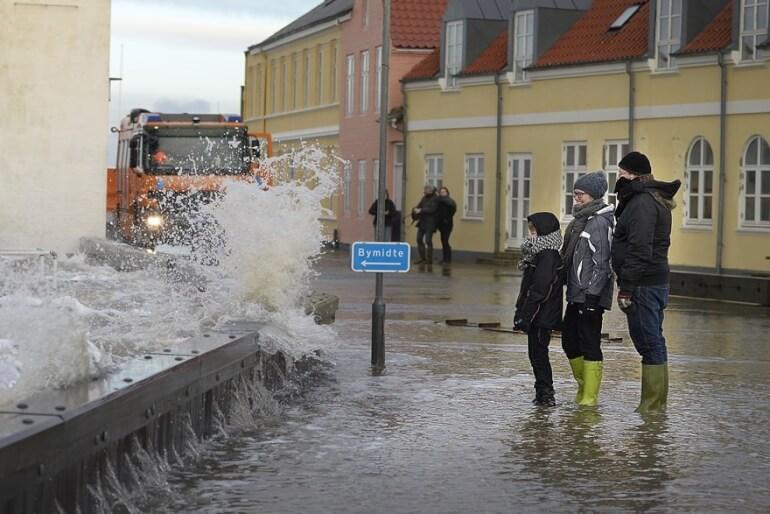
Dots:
pixel 54 84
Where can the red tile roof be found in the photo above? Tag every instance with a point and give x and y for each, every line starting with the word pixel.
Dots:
pixel 425 69
pixel 416 23
pixel 590 39
pixel 716 35
pixel 493 59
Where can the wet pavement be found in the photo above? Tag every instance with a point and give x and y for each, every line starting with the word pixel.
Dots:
pixel 450 427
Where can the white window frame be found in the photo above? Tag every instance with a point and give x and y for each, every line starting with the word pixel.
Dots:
pixel 523 44
pixel 573 167
pixel 378 86
pixel 364 81
pixel 612 153
pixel 307 79
pixel 434 170
pixel 333 83
pixel 350 85
pixel 750 10
pixel 294 82
pixel 375 178
pixel 695 183
pixel 759 169
pixel 520 184
pixel 284 83
pixel 398 173
pixel 274 87
pixel 453 55
pixel 347 183
pixel 362 165
pixel 669 20
pixel 474 186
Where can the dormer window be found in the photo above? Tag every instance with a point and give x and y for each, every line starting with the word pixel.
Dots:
pixel 669 33
pixel 753 27
pixel 621 20
pixel 523 46
pixel 454 51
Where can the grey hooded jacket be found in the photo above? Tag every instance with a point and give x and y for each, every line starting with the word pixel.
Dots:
pixel 590 272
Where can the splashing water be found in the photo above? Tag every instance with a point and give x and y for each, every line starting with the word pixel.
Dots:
pixel 88 319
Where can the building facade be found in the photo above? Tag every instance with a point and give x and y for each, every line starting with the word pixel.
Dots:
pixel 562 88
pixel 53 149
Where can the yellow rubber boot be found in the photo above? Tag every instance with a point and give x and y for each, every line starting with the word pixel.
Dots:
pixel 654 388
pixel 592 379
pixel 577 371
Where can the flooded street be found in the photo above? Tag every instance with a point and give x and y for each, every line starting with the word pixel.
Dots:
pixel 451 428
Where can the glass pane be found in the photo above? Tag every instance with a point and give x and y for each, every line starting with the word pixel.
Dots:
pixel 611 180
pixel 515 208
pixel 751 182
pixel 676 7
pixel 568 204
pixel 764 209
pixel 515 168
pixel 471 187
pixel 514 230
pixel 751 152
pixel 708 181
pixel 515 189
pixel 582 159
pixel 440 167
pixel 665 6
pixel 526 210
pixel 570 182
pixel 626 149
pixel 694 207
pixel 480 166
pixel 762 17
pixel 526 189
pixel 748 20
pixel 765 155
pixel 613 158
pixel 764 183
pixel 747 47
pixel 695 153
pixel 676 28
pixel 570 156
pixel 750 209
pixel 694 181
pixel 528 165
pixel 707 208
pixel 708 157
pixel 481 187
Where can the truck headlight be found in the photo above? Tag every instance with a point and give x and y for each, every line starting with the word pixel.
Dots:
pixel 154 221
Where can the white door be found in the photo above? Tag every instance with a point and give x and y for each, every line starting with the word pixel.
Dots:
pixel 519 175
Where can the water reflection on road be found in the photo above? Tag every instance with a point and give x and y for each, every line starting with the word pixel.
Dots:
pixel 450 427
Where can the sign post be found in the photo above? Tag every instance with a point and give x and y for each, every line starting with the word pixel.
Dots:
pixel 378 307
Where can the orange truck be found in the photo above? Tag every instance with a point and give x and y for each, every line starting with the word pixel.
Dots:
pixel 169 165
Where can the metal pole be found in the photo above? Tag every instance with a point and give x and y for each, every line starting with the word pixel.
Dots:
pixel 722 149
pixel 378 307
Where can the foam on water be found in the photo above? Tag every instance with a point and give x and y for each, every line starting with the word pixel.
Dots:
pixel 87 319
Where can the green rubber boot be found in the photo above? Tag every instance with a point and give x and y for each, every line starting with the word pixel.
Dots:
pixel 577 371
pixel 654 388
pixel 592 379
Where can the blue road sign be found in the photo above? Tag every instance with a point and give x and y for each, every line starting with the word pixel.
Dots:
pixel 379 257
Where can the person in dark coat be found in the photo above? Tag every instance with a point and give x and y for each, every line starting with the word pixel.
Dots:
pixel 425 215
pixel 390 214
pixel 640 261
pixel 444 222
pixel 538 308
pixel 587 275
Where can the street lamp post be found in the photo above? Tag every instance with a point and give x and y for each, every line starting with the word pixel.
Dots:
pixel 378 307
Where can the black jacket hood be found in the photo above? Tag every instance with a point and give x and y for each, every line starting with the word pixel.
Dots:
pixel 544 222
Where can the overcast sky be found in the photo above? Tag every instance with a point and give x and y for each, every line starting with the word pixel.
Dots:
pixel 187 55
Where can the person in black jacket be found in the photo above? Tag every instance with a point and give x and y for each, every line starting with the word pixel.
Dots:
pixel 425 215
pixel 640 261
pixel 444 221
pixel 390 214
pixel 538 308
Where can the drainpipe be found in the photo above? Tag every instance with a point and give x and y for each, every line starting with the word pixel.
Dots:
pixel 404 133
pixel 631 104
pixel 722 175
pixel 498 171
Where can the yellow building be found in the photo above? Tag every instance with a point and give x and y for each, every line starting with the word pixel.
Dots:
pixel 291 87
pixel 509 126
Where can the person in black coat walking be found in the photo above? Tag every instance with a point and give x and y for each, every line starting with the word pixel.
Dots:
pixel 424 213
pixel 444 214
pixel 390 215
pixel 539 306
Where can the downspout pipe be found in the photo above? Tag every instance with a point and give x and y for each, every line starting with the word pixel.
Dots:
pixel 498 170
pixel 631 105
pixel 404 174
pixel 722 160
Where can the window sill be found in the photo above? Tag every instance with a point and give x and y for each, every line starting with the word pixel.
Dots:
pixel 754 229
pixel 472 218
pixel 698 227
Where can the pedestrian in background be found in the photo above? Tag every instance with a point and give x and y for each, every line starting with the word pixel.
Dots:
pixel 444 220
pixel 539 305
pixel 640 261
pixel 587 275
pixel 390 213
pixel 424 213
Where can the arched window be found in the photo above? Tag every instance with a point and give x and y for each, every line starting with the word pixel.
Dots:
pixel 755 211
pixel 699 178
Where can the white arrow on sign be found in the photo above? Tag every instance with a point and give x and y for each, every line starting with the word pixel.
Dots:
pixel 365 263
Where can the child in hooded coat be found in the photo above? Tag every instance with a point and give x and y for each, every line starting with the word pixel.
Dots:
pixel 539 306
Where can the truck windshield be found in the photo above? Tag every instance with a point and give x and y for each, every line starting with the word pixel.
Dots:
pixel 196 151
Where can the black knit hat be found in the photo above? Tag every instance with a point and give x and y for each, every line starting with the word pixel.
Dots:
pixel 636 163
